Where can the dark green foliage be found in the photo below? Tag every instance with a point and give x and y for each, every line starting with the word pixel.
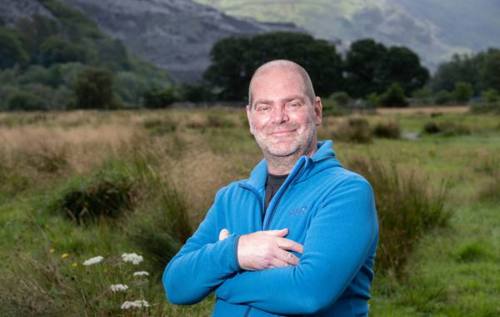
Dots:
pixel 490 96
pixel 11 50
pixel 197 93
pixel 55 50
pixel 407 208
pixel 481 71
pixel 388 130
pixel 355 130
pixel 371 67
pixel 341 98
pixel 94 89
pixel 332 108
pixel 25 101
pixel 394 97
pixel 159 98
pixel 443 97
pixel 462 92
pixel 235 59
pixel 446 128
pixel 472 252
pixel 108 193
pixel 423 96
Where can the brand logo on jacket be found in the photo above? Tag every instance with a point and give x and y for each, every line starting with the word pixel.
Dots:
pixel 298 211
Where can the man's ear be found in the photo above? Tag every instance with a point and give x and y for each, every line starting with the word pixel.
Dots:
pixel 248 110
pixel 318 111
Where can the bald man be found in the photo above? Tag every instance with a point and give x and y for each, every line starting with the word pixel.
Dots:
pixel 298 237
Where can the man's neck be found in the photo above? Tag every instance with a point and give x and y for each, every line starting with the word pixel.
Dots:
pixel 283 165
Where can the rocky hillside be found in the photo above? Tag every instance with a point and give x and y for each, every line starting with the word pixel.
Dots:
pixel 435 29
pixel 176 35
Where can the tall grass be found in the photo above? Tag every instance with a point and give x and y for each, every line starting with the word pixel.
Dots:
pixel 408 206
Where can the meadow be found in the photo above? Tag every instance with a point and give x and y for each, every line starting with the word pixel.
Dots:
pixel 131 186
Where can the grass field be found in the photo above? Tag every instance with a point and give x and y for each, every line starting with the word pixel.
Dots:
pixel 77 185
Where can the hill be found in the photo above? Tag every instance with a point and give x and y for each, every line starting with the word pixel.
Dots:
pixel 434 29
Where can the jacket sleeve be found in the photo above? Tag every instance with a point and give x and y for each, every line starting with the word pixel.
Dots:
pixel 203 262
pixel 337 244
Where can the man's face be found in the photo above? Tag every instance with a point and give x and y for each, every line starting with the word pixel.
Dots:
pixel 282 117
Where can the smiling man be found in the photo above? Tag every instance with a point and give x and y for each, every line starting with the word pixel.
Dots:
pixel 298 237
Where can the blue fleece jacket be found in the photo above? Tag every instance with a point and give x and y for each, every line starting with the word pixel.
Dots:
pixel 328 209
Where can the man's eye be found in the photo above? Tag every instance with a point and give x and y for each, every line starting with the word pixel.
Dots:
pixel 263 107
pixel 294 104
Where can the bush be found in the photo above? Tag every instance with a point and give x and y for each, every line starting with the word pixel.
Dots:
pixel 443 97
pixel 463 92
pixel 407 206
pixel 25 101
pixel 388 130
pixel 356 130
pixel 490 96
pixel 332 108
pixel 106 194
pixel 394 97
pixel 446 128
pixel 159 98
pixel 94 89
pixel 341 98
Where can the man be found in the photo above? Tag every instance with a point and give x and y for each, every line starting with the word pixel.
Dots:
pixel 299 191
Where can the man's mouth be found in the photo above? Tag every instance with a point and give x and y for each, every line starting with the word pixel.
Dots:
pixel 283 132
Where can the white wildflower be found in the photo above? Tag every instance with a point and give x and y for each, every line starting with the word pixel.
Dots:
pixel 118 288
pixel 141 273
pixel 93 260
pixel 132 257
pixel 135 304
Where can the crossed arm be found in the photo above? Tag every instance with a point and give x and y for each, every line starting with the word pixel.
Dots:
pixel 337 244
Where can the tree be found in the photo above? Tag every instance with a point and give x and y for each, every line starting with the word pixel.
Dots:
pixel 394 97
pixel 462 92
pixel 11 49
pixel 235 59
pixel 94 89
pixel 371 67
pixel 56 50
pixel 159 98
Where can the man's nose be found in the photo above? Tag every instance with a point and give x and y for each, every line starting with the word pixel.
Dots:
pixel 279 114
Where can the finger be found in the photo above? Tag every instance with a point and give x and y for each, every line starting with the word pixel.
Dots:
pixel 223 234
pixel 287 257
pixel 278 233
pixel 287 244
pixel 276 262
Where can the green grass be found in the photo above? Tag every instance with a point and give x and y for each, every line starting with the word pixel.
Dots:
pixel 451 271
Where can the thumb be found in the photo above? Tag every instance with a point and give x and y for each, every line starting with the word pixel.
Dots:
pixel 277 233
pixel 223 234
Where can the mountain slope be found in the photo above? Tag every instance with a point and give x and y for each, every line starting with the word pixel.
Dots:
pixel 174 34
pixel 434 29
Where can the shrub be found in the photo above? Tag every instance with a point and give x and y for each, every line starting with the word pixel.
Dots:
pixel 394 97
pixel 388 130
pixel 341 98
pixel 356 130
pixel 94 89
pixel 462 92
pixel 157 98
pixel 407 205
pixel 490 96
pixel 443 97
pixel 106 194
pixel 472 252
pixel 25 101
pixel 332 108
pixel 446 128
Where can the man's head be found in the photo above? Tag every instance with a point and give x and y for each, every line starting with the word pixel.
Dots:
pixel 283 111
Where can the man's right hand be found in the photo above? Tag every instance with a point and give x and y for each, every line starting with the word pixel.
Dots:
pixel 267 249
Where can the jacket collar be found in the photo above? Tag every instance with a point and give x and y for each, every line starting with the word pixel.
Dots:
pixel 323 158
